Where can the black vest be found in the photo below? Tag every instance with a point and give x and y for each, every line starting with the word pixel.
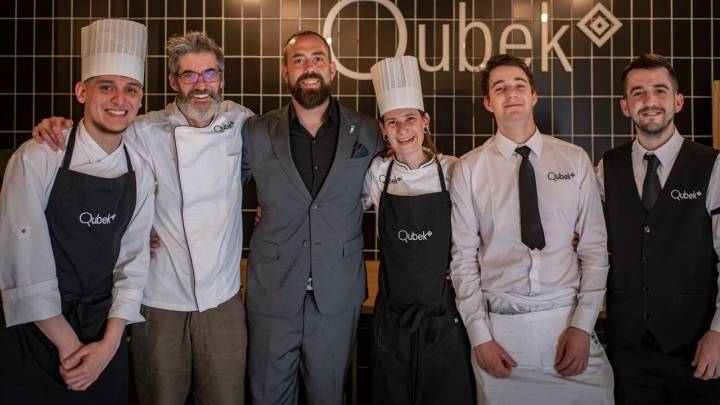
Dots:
pixel 662 263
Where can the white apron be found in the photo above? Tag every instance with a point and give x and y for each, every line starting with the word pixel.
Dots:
pixel 531 340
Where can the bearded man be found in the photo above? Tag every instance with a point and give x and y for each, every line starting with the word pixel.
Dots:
pixel 306 274
pixel 194 339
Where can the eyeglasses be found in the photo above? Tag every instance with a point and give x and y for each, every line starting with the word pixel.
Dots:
pixel 190 77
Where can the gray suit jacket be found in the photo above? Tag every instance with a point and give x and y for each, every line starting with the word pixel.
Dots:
pixel 297 233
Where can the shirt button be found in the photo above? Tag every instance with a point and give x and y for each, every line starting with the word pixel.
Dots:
pixel 314 206
pixel 316 168
pixel 306 243
pixel 647 229
pixel 646 259
pixel 647 317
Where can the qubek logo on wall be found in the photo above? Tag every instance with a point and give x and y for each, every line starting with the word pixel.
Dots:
pixel 599 25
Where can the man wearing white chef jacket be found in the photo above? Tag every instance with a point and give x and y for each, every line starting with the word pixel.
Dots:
pixel 73 250
pixel 528 300
pixel 194 340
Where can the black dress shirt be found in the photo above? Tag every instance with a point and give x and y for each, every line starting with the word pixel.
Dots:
pixel 314 155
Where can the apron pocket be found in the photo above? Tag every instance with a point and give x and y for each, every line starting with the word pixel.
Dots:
pixel 512 335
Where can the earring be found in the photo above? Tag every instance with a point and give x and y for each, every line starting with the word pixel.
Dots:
pixel 385 138
pixel 426 130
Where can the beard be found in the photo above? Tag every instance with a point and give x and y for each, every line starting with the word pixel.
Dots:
pixel 185 104
pixel 655 128
pixel 310 98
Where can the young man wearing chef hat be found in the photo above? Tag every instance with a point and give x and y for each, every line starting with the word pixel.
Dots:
pixel 528 299
pixel 73 238
pixel 194 340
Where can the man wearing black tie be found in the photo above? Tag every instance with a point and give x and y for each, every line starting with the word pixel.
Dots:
pixel 662 194
pixel 528 299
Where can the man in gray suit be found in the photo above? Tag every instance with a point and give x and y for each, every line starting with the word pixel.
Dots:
pixel 306 279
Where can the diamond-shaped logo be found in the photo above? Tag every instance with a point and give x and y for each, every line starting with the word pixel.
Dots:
pixel 599 24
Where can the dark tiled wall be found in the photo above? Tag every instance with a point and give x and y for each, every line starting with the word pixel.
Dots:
pixel 40 43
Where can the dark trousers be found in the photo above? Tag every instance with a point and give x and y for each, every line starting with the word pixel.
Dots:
pixel 646 375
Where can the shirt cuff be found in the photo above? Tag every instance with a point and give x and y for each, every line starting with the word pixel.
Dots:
pixel 126 305
pixel 584 318
pixel 31 303
pixel 715 324
pixel 478 332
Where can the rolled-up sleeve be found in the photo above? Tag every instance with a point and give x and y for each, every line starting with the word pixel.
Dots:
pixel 28 278
pixel 591 250
pixel 131 268
pixel 465 267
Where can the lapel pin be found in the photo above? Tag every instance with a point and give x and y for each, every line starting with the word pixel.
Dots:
pixel 352 128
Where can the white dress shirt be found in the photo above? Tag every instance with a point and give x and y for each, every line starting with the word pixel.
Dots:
pixel 404 180
pixel 28 276
pixel 666 154
pixel 198 210
pixel 488 255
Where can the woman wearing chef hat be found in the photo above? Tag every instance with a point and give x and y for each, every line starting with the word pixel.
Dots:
pixel 421 350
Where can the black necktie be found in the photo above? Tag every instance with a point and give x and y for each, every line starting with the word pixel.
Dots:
pixel 651 184
pixel 531 228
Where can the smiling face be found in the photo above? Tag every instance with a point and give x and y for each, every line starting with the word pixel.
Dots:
pixel 651 101
pixel 404 129
pixel 510 96
pixel 111 102
pixel 198 101
pixel 308 70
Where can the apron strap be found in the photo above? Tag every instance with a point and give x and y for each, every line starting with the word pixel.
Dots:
pixel 387 176
pixel 127 159
pixel 69 149
pixel 440 174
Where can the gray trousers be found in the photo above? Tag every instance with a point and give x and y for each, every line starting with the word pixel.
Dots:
pixel 317 345
pixel 174 351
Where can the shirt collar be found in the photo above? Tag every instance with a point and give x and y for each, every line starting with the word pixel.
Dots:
pixel 82 136
pixel 507 147
pixel 332 114
pixel 407 167
pixel 665 154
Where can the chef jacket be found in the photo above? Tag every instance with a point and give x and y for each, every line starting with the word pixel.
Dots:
pixel 28 276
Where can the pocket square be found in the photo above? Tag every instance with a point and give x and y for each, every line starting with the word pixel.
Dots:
pixel 359 150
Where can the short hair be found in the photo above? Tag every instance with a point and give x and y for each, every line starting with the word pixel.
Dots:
pixel 649 61
pixel 503 60
pixel 303 34
pixel 192 42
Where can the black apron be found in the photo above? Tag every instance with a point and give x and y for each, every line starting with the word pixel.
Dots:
pixel 86 217
pixel 421 351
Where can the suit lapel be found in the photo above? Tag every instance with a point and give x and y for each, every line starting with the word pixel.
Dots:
pixel 347 137
pixel 280 138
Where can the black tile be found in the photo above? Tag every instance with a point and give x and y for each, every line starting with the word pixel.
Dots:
pixel 621 124
pixel 701 38
pixel 81 8
pixel 702 110
pixel 683 69
pixel 118 8
pixel 156 37
pixel 584 142
pixel 75 72
pixel 661 8
pixel 251 76
pixel 386 31
pixel 600 145
pixel 24 8
pixel 562 80
pixel 7 70
pixel 7 8
pixel 7 113
pixel 43 75
pixel 174 27
pixel 683 119
pixel 702 78
pixel 620 9
pixel 7 33
pixel 444 144
pixel 365 87
pixel 662 42
pixel 253 103
pixel 156 70
pixel 62 8
pixel 681 9
pixel 483 119
pixel 641 37
pixel 582 116
pixel 194 25
pixel 99 9
pixel 175 8
pixel 704 140
pixel 250 38
pixel 463 115
pixel 602 78
pixel 7 141
pixel 309 9
pixel 270 8
pixel 25 37
pixel 43 107
pixel 61 106
pixel 543 115
pixel 502 9
pixel 602 110
pixel 214 30
pixel 62 40
pixel 347 44
pixel 213 8
pixel 562 117
pixel 271 76
pixel 582 46
pixel 233 37
pixel 641 8
pixel 156 8
pixel 61 75
pixel 366 105
pixel 270 42
pixel 367 10
pixel 618 68
pixel 716 31
pixel 444 122
pixel 701 9
pixel 155 103
pixel 368 38
pixel 463 145
pixel 137 8
pixel 23 114
pixel 193 8
pixel 24 75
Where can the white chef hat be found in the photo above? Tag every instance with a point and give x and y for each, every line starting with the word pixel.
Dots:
pixel 114 47
pixel 397 84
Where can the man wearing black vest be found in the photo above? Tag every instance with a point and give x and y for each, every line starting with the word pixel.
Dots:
pixel 661 194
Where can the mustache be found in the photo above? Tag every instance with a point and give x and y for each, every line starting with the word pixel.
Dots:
pixel 198 92
pixel 310 75
pixel 649 109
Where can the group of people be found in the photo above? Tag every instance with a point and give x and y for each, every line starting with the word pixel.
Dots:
pixel 493 266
